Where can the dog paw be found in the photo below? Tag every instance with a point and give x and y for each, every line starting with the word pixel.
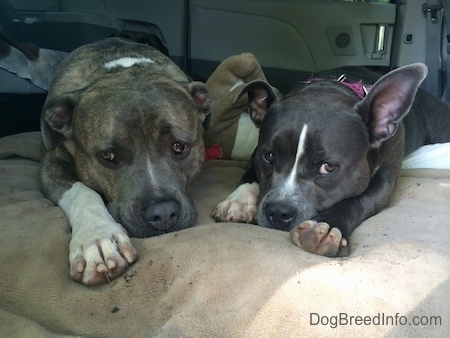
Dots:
pixel 101 256
pixel 239 206
pixel 319 238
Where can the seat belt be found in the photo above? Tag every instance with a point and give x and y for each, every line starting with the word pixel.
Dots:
pixel 433 57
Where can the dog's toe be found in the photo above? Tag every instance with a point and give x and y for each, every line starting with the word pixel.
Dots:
pixel 329 246
pixel 77 268
pixel 309 235
pixel 318 238
pixel 129 253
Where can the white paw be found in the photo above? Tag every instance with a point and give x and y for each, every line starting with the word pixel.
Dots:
pixel 100 249
pixel 240 205
pixel 100 255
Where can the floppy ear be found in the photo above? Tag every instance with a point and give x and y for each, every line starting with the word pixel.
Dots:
pixel 260 96
pixel 389 100
pixel 201 97
pixel 56 120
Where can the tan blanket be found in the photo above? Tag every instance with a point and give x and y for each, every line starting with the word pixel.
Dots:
pixel 227 280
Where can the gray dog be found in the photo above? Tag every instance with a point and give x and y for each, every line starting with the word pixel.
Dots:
pixel 330 152
pixel 122 131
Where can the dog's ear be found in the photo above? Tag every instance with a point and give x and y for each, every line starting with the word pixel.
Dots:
pixel 56 120
pixel 389 100
pixel 201 97
pixel 260 96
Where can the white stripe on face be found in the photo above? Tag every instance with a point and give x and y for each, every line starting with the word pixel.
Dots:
pixel 126 62
pixel 290 182
pixel 150 171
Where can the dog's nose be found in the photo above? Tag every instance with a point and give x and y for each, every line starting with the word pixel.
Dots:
pixel 280 215
pixel 162 215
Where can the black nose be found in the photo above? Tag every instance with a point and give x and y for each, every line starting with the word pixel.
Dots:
pixel 280 215
pixel 162 215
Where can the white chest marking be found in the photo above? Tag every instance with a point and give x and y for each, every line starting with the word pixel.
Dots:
pixel 290 182
pixel 126 62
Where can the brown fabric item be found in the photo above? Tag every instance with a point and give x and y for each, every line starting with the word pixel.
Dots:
pixel 224 85
pixel 225 280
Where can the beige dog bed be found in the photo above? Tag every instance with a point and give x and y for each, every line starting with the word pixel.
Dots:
pixel 227 280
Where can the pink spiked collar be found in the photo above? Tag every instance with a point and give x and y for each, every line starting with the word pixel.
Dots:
pixel 358 88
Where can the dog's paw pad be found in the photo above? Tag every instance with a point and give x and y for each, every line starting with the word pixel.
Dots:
pixel 239 206
pixel 319 238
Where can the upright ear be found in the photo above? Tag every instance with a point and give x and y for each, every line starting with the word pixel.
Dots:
pixel 260 97
pixel 201 97
pixel 56 120
pixel 389 100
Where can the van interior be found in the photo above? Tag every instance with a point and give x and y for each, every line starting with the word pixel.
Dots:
pixel 290 38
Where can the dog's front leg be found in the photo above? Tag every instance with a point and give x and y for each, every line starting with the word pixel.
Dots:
pixel 327 233
pixel 100 249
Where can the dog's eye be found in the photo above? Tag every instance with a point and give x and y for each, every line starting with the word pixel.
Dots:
pixel 108 156
pixel 269 157
pixel 179 148
pixel 327 168
pixel 109 159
